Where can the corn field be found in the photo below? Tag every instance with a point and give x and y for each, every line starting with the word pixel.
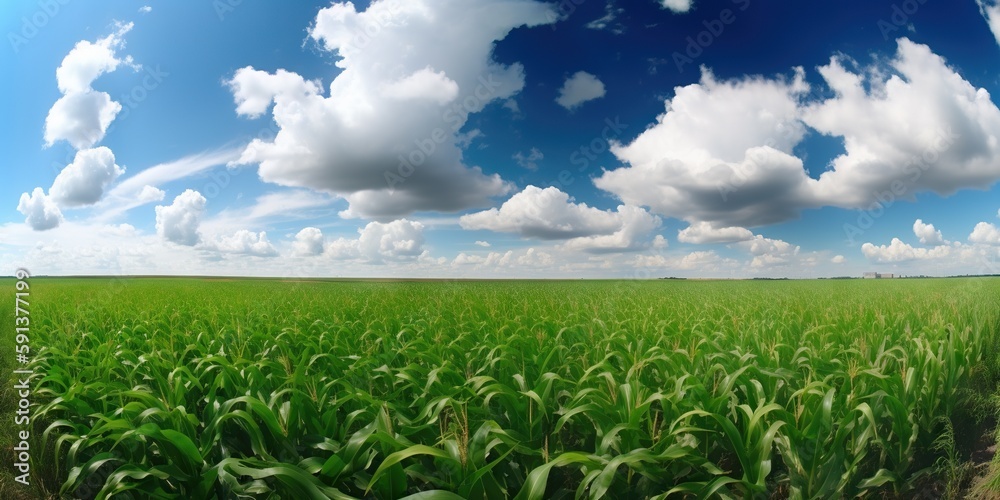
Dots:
pixel 164 388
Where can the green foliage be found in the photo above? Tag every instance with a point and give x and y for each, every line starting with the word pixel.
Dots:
pixel 256 388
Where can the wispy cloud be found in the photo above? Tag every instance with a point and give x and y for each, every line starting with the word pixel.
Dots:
pixel 292 204
pixel 135 190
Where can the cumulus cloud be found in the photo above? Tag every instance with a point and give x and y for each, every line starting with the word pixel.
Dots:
pixel 897 251
pixel 767 252
pixel 81 118
pixel 145 9
pixel 927 234
pixel 40 211
pixel 149 194
pixel 635 226
pixel 384 134
pixel 704 261
pixel 914 126
pixel 550 214
pixel 838 259
pixel 179 221
pixel 379 242
pixel 83 182
pixel 701 233
pixel 679 6
pixel 578 89
pixel 243 242
pixel 984 233
pixel 530 258
pixel 82 115
pixel 720 153
pixel 484 244
pixel 254 91
pixel 423 84
pixel 723 151
pixel 89 60
pixel 308 241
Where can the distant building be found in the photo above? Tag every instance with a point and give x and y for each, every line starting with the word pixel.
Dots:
pixel 879 275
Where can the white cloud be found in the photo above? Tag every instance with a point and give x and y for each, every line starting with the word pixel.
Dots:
pixel 720 153
pixel 767 252
pixel 286 204
pixel 759 245
pixel 389 157
pixel 526 259
pixel 578 89
pixel 83 181
pixel 89 60
pixel 145 9
pixel 984 233
pixel 703 233
pixel 484 244
pixel 149 194
pixel 607 21
pixel 179 221
pixel 897 251
pixel 551 214
pixel 679 6
pixel 635 226
pixel 927 234
pixel 40 211
pixel 82 115
pixel 378 242
pixel 254 91
pixel 703 261
pixel 544 214
pixel 80 118
pixel 143 187
pixel 530 160
pixel 913 126
pixel 723 151
pixel 990 10
pixel 244 242
pixel 838 259
pixel 308 241
pixel 187 166
pixel 426 84
pixel 512 106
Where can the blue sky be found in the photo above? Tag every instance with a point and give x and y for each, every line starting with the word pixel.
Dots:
pixel 501 138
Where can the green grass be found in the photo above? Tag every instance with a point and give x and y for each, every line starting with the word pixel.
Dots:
pixel 805 389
